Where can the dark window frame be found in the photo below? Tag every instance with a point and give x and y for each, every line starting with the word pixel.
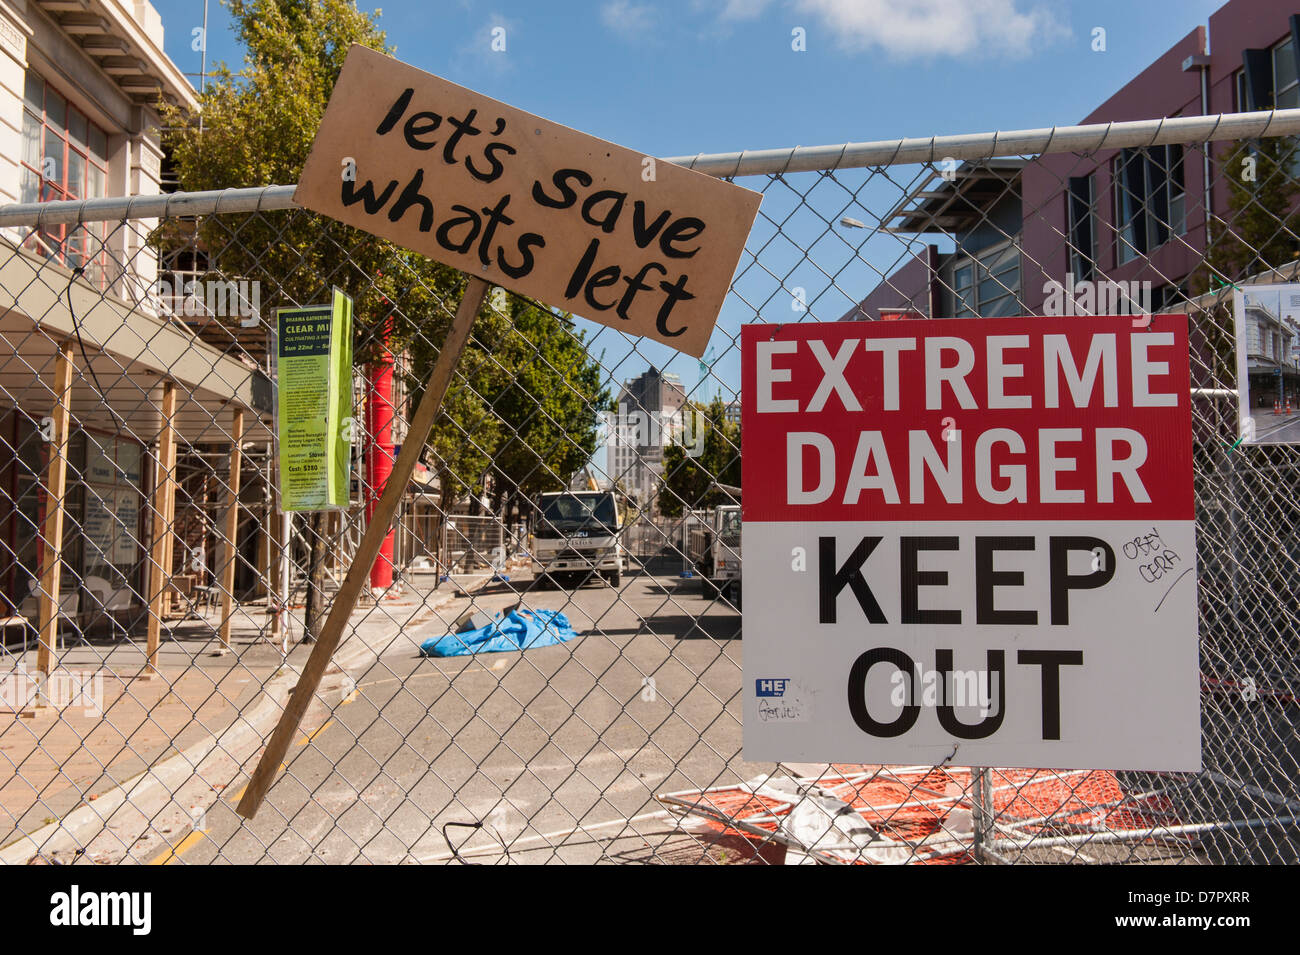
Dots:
pixel 1150 190
pixel 996 270
pixel 1081 218
pixel 75 246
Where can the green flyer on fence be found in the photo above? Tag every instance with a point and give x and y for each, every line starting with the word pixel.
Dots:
pixel 314 413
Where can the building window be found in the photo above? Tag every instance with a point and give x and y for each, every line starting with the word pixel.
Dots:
pixel 103 503
pixel 111 485
pixel 65 156
pixel 1169 296
pixel 1286 85
pixel 1083 227
pixel 987 285
pixel 1278 87
pixel 1150 199
pixel 21 471
pixel 963 287
pixel 1283 89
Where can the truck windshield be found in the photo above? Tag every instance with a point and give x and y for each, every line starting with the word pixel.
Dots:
pixel 570 512
pixel 729 526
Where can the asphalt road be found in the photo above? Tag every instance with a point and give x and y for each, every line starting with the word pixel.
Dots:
pixel 1277 430
pixel 551 750
pixel 553 754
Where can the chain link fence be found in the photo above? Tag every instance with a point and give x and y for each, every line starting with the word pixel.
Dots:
pixel 155 601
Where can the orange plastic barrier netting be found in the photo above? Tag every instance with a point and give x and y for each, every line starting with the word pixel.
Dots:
pixel 915 807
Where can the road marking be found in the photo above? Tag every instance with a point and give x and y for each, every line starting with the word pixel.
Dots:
pixel 314 733
pixel 176 851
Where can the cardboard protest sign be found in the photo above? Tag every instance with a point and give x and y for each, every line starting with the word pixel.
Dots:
pixel 576 222
pixel 314 416
pixel 970 542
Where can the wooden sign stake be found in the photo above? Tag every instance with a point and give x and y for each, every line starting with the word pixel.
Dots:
pixel 377 529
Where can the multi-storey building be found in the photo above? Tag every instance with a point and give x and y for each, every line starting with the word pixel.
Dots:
pixel 1008 230
pixel 649 418
pixel 81 88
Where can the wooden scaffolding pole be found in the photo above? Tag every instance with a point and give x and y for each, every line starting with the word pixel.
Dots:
pixel 56 483
pixel 231 555
pixel 376 530
pixel 164 507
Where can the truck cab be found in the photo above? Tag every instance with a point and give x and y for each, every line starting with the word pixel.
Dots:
pixel 722 565
pixel 578 534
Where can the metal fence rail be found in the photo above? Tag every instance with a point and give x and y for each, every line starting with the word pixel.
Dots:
pixel 154 600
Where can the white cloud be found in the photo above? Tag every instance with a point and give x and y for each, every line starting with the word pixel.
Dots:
pixel 629 20
pixel 924 28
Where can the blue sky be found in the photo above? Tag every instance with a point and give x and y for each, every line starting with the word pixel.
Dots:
pixel 670 77
pixel 678 77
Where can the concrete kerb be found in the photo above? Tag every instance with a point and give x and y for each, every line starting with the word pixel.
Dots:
pixel 76 834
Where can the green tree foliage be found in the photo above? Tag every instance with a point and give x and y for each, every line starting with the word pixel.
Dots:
pixel 524 407
pixel 692 482
pixel 1255 236
pixel 1258 232
pixel 527 411
pixel 256 127
pixel 552 402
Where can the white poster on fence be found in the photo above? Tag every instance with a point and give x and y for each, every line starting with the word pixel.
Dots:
pixel 970 542
pixel 1268 362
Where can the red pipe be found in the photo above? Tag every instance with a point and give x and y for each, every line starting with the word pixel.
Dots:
pixel 380 453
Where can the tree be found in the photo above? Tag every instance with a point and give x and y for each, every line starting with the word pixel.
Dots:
pixel 523 406
pixel 1255 236
pixel 691 482
pixel 526 408
pixel 256 127
pixel 550 405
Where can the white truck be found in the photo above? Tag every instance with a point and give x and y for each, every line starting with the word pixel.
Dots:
pixel 720 567
pixel 578 535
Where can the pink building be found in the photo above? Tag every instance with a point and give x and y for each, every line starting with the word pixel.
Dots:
pixel 1122 215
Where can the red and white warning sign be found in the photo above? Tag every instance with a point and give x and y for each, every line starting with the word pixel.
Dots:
pixel 970 541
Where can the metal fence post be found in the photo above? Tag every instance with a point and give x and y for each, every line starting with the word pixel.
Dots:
pixel 231 554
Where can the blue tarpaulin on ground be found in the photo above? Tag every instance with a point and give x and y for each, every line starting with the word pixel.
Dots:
pixel 517 630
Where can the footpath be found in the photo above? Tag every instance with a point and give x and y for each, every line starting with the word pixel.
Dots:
pixel 122 767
